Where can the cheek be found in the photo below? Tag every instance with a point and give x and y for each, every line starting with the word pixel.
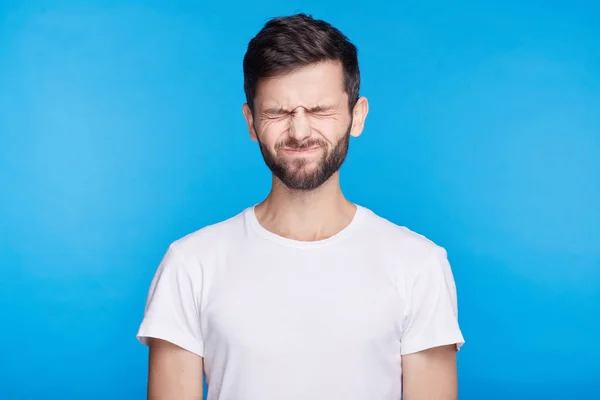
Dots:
pixel 330 129
pixel 271 132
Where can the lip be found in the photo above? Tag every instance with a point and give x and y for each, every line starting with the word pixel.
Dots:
pixel 301 151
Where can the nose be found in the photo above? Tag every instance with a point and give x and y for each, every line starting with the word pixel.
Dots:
pixel 299 125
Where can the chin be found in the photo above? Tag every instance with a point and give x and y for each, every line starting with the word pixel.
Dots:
pixel 302 172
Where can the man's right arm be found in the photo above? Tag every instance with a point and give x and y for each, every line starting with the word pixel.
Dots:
pixel 174 373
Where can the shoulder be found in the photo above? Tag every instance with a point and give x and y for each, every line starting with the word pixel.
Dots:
pixel 209 238
pixel 405 248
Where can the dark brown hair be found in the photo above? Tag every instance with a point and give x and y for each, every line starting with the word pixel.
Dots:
pixel 287 43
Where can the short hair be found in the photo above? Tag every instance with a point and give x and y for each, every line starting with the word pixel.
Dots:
pixel 287 43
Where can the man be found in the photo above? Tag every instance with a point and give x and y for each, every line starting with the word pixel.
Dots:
pixel 305 295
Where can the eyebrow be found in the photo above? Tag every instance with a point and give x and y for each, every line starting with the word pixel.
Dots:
pixel 276 111
pixel 323 108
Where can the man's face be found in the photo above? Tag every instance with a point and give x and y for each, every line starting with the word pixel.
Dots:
pixel 303 125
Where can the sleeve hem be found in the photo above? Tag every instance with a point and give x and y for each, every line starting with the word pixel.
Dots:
pixel 184 341
pixel 456 339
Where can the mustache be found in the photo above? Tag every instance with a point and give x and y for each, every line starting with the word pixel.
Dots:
pixel 299 145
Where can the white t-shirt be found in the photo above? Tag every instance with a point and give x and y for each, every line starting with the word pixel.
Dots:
pixel 276 318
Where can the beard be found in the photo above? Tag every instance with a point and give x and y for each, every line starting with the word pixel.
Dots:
pixel 295 174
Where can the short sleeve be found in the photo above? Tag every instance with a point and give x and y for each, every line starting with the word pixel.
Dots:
pixel 173 304
pixel 431 318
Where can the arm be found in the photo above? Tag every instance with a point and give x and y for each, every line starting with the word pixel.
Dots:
pixel 171 328
pixel 430 374
pixel 431 335
pixel 174 373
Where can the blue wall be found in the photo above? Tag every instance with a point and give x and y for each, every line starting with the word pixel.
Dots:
pixel 121 131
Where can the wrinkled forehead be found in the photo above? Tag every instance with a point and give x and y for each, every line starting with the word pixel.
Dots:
pixel 311 86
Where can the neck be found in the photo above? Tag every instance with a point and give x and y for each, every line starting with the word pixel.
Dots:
pixel 306 215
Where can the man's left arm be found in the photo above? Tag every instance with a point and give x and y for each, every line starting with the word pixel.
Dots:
pixel 430 374
pixel 431 334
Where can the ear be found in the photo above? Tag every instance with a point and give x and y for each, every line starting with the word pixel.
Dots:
pixel 359 114
pixel 249 121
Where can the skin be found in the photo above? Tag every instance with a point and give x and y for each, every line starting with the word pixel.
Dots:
pixel 300 119
pixel 430 374
pixel 174 373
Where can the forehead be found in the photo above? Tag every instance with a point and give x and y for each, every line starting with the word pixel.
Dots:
pixel 308 86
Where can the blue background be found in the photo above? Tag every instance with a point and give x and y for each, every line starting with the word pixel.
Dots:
pixel 121 131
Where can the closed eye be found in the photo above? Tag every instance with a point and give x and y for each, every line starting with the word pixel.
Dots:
pixel 323 111
pixel 276 113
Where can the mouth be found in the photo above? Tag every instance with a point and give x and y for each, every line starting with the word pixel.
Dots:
pixel 300 151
